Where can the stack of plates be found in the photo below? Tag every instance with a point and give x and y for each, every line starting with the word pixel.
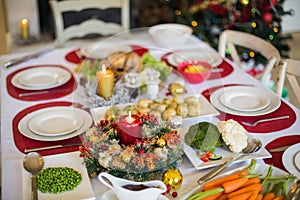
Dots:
pixel 40 78
pixel 178 57
pixel 291 159
pixel 55 123
pixel 245 100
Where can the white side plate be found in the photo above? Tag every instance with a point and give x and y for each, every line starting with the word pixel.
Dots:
pixel 247 100
pixel 110 195
pixel 24 129
pixel 274 101
pixel 52 122
pixel 40 78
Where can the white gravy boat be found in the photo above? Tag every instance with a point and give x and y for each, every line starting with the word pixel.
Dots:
pixel 154 190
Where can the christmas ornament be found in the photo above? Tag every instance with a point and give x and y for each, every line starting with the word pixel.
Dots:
pixel 244 2
pixel 267 17
pixel 161 142
pixel 172 178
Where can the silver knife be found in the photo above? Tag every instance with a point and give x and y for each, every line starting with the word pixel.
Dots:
pixel 44 92
pixel 279 149
pixel 16 61
pixel 219 168
pixel 52 147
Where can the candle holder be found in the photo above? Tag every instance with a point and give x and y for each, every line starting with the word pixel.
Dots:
pixel 132 83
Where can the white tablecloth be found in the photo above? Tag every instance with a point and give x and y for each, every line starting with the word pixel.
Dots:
pixel 11 158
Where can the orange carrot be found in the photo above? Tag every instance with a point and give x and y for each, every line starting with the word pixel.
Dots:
pixel 243 196
pixel 254 187
pixel 251 181
pixel 233 185
pixel 223 197
pixel 253 196
pixel 280 197
pixel 220 181
pixel 269 196
pixel 213 197
pixel 259 197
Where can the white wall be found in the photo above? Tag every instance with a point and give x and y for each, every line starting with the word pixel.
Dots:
pixel 291 23
pixel 19 9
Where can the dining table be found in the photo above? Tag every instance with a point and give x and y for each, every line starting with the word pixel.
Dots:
pixel 16 104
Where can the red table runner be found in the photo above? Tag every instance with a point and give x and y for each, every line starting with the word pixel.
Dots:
pixel 266 127
pixel 22 142
pixel 53 93
pixel 276 159
pixel 73 57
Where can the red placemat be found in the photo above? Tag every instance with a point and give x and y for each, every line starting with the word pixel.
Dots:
pixel 224 69
pixel 22 142
pixel 53 93
pixel 266 127
pixel 276 159
pixel 73 57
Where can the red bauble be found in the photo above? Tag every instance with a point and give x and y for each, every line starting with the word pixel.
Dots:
pixel 267 17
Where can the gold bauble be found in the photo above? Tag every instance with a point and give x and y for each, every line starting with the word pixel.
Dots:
pixel 126 157
pixel 172 178
pixel 244 2
pixel 161 142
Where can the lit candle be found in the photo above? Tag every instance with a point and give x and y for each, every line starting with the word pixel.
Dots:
pixel 106 82
pixel 129 128
pixel 24 27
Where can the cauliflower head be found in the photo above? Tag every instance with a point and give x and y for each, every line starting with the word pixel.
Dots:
pixel 233 134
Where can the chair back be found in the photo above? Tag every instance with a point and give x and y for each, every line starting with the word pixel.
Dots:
pixel 231 39
pixel 92 25
pixel 288 75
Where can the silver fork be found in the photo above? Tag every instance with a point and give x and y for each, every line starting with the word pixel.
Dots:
pixel 265 120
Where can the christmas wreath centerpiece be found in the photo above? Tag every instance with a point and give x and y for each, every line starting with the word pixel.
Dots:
pixel 137 147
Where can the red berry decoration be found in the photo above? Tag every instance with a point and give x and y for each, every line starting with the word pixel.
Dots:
pixel 174 194
pixel 267 17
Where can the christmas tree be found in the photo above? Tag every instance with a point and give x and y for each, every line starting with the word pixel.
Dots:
pixel 259 17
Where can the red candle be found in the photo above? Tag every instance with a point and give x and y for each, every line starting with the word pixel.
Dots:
pixel 130 128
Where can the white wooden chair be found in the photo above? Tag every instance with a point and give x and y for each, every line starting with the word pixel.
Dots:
pixel 89 26
pixel 231 39
pixel 287 74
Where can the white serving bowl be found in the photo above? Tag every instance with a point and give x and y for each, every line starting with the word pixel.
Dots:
pixel 170 35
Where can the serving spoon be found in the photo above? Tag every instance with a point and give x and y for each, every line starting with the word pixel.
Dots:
pixel 33 162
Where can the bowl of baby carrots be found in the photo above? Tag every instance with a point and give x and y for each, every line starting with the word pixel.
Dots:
pixel 255 182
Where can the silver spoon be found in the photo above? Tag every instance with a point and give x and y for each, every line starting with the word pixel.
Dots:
pixel 33 162
pixel 265 120
pixel 294 192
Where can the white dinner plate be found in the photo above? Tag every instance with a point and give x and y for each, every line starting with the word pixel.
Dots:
pixel 101 51
pixel 24 129
pixel 247 100
pixel 297 160
pixel 273 105
pixel 40 78
pixel 207 110
pixel 260 168
pixel 110 195
pixel 73 160
pixel 194 157
pixel 178 57
pixel 52 122
pixel 289 158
